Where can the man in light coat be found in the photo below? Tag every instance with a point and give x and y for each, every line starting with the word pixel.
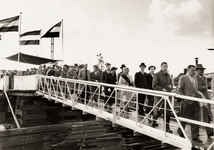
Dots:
pixel 188 85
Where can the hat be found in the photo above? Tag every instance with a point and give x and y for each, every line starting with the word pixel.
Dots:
pixel 122 66
pixel 95 66
pixel 66 65
pixel 142 64
pixel 199 66
pixel 151 67
pixel 108 64
pixel 113 68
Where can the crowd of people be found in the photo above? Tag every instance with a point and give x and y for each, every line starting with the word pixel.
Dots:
pixel 191 83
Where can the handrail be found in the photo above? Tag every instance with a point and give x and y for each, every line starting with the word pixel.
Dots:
pixel 146 91
pixel 64 96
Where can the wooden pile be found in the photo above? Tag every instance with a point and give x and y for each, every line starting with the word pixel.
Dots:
pixel 99 135
pixel 66 114
pixel 3 108
pixel 57 113
pixel 31 111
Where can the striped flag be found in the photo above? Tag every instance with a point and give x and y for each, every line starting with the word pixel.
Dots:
pixel 30 38
pixel 9 24
pixel 53 32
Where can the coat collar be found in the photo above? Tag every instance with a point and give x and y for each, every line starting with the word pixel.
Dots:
pixel 190 82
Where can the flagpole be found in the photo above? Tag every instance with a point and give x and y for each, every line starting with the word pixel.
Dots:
pixel 40 42
pixel 20 18
pixel 62 43
pixel 2 42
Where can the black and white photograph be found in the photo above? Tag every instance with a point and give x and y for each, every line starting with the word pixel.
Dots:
pixel 107 75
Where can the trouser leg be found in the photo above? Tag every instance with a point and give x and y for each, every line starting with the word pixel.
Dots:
pixel 195 116
pixel 167 121
pixel 187 112
pixel 141 99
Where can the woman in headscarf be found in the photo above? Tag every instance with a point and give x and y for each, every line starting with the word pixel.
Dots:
pixel 125 80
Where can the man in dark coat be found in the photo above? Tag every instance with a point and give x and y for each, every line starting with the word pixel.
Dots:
pixel 111 78
pixel 162 82
pixel 140 82
pixel 202 87
pixel 103 77
pixel 107 71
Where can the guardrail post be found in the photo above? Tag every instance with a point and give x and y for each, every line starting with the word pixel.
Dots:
pixel 173 102
pixel 74 95
pixel 115 107
pixel 85 93
pixel 165 115
pixel 99 97
pixel 136 108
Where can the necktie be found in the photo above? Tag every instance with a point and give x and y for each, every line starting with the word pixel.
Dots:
pixel 86 75
pixel 193 82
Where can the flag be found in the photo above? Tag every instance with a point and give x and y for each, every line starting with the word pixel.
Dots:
pixel 53 32
pixel 30 38
pixel 9 24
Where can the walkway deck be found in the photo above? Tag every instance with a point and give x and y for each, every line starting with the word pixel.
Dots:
pixel 54 88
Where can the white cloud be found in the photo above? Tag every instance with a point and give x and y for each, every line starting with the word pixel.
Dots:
pixel 189 19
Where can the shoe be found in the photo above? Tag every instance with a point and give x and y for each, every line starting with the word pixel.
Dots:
pixel 149 120
pixel 211 134
pixel 128 110
pixel 197 140
pixel 154 124
pixel 141 113
pixel 180 133
pixel 168 130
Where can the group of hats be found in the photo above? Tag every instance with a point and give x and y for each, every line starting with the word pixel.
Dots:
pixel 124 66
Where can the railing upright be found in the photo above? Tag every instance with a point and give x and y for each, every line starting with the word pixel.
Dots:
pixel 137 108
pixel 165 115
pixel 173 102
pixel 85 94
pixel 98 100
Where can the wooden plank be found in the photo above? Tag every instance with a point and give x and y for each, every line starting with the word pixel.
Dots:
pixel 32 107
pixel 32 116
pixel 27 112
pixel 71 113
pixel 32 146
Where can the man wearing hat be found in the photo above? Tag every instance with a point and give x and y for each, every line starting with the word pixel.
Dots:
pixel 202 87
pixel 103 77
pixel 111 78
pixel 104 74
pixel 140 82
pixel 119 74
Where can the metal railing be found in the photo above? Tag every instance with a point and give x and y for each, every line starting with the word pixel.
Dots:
pixel 88 96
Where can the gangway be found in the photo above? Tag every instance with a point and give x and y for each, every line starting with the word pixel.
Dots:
pixel 73 93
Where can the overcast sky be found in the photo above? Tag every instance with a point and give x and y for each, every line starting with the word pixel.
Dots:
pixel 124 31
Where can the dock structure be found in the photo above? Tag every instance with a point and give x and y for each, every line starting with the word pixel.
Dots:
pixel 67 92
